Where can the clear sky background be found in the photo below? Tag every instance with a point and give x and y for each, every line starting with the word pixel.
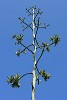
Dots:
pixel 55 62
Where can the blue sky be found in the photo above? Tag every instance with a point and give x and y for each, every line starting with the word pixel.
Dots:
pixel 55 62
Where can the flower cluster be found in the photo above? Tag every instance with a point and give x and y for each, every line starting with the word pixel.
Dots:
pixel 18 38
pixel 44 74
pixel 14 80
pixel 55 39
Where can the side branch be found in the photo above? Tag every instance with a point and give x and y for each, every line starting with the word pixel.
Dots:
pixel 26 26
pixel 22 21
pixel 38 13
pixel 41 47
pixel 45 26
pixel 37 27
pixel 27 48
pixel 42 27
pixel 28 10
pixel 40 57
pixel 24 75
pixel 37 43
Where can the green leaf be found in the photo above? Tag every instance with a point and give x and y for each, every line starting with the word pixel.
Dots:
pixel 10 79
pixel 51 38
pixel 47 48
pixel 44 44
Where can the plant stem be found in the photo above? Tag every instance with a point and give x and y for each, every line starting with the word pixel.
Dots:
pixel 24 75
pixel 34 57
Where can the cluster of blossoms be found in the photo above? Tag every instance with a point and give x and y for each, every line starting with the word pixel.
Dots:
pixel 14 80
pixel 44 74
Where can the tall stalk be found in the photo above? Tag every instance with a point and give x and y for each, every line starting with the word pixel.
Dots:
pixel 34 59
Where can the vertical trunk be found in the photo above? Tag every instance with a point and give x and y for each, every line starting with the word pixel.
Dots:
pixel 34 57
